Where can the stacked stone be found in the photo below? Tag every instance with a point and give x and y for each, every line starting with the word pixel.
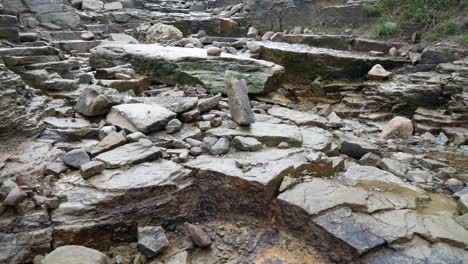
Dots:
pixel 9 29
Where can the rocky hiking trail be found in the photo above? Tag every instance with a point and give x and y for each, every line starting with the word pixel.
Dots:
pixel 172 132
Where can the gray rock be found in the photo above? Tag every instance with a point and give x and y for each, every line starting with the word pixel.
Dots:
pixel 173 126
pixel 15 196
pixel 298 117
pixel 283 145
pixel 220 147
pixel 91 168
pixel 79 255
pixel 268 35
pixel 94 101
pixel 395 167
pixel 75 158
pixel 199 237
pixel 190 116
pixel 162 33
pixel 246 143
pixel 135 136
pixel 398 127
pixel 55 168
pixel 49 203
pixel 378 73
pixel 269 134
pixel 182 65
pixel 176 104
pixel 213 51
pixel 370 159
pixel 92 5
pixel 151 240
pixel 128 154
pixel 140 117
pixel 356 147
pixel 111 141
pixel 123 38
pixel 206 104
pixel 239 105
pixel 113 6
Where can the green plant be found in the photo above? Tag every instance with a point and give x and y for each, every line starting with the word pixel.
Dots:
pixel 373 10
pixel 463 40
pixel 386 30
pixel 432 36
pixel 450 28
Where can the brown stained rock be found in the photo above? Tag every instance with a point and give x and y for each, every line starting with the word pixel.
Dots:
pixel 199 237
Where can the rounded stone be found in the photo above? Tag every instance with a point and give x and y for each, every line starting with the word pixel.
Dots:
pixel 75 255
pixel 213 51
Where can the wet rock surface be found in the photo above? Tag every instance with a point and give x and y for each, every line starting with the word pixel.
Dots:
pixel 130 136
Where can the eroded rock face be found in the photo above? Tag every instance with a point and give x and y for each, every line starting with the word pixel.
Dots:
pixel 182 65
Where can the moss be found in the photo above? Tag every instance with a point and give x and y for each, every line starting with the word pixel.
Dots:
pixel 373 10
pixel 463 40
pixel 387 30
pixel 450 28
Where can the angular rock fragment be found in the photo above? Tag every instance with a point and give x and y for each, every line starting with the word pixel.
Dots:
pixel 75 158
pixel 152 240
pixel 111 141
pixel 94 101
pixel 378 73
pixel 398 127
pixel 246 143
pixel 140 117
pixel 91 168
pixel 128 154
pixel 239 105
pixel 199 237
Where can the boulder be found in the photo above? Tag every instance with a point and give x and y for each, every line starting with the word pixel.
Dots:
pixel 378 73
pixel 213 51
pixel 15 196
pixel 140 117
pixel 95 101
pixel 76 255
pixel 182 65
pixel 398 127
pixel 221 146
pixel 161 33
pixel 239 105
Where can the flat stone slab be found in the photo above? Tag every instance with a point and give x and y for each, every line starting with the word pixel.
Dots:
pixel 67 123
pixel 155 173
pixel 176 104
pixel 267 133
pixel 128 154
pixel 316 138
pixel 304 63
pixel 189 66
pixel 298 117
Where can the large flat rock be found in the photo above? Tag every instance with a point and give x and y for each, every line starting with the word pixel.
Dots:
pixel 304 63
pixel 189 66
pixel 129 154
pixel 267 133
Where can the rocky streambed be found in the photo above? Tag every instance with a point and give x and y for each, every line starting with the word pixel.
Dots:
pixel 176 132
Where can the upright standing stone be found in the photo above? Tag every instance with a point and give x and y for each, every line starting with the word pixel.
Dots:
pixel 239 104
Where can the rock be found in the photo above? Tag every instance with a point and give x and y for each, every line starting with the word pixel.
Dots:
pixel 239 105
pixel 173 126
pixel 253 47
pixel 246 144
pixel 94 101
pixel 370 159
pixel 394 166
pixel 283 145
pixel 179 144
pixel 378 73
pixel 128 154
pixel 55 168
pixel 111 141
pixel 134 137
pixel 123 38
pixel 441 54
pixel 393 52
pixel 152 240
pixel 182 65
pixel 87 36
pixel 398 127
pixel 317 139
pixel 298 117
pixel 267 35
pixel 179 258
pixel 269 134
pixel 91 168
pixel 176 104
pixel 441 140
pixel 162 33
pixel 75 158
pixel 139 117
pixel 206 104
pixel 190 116
pixel 213 51
pixel 196 151
pixel 340 224
pixel 220 147
pixel 454 185
pixel 113 6
pixel 356 147
pixel 15 196
pixel 49 203
pixel 199 237
pixel 252 32
pixel 92 5
pixel 79 255
pixel 277 37
pixel 216 121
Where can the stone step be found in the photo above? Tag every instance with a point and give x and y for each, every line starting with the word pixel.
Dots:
pixel 59 66
pixel 64 35
pixel 96 27
pixel 29 51
pixel 78 45
pixel 26 60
